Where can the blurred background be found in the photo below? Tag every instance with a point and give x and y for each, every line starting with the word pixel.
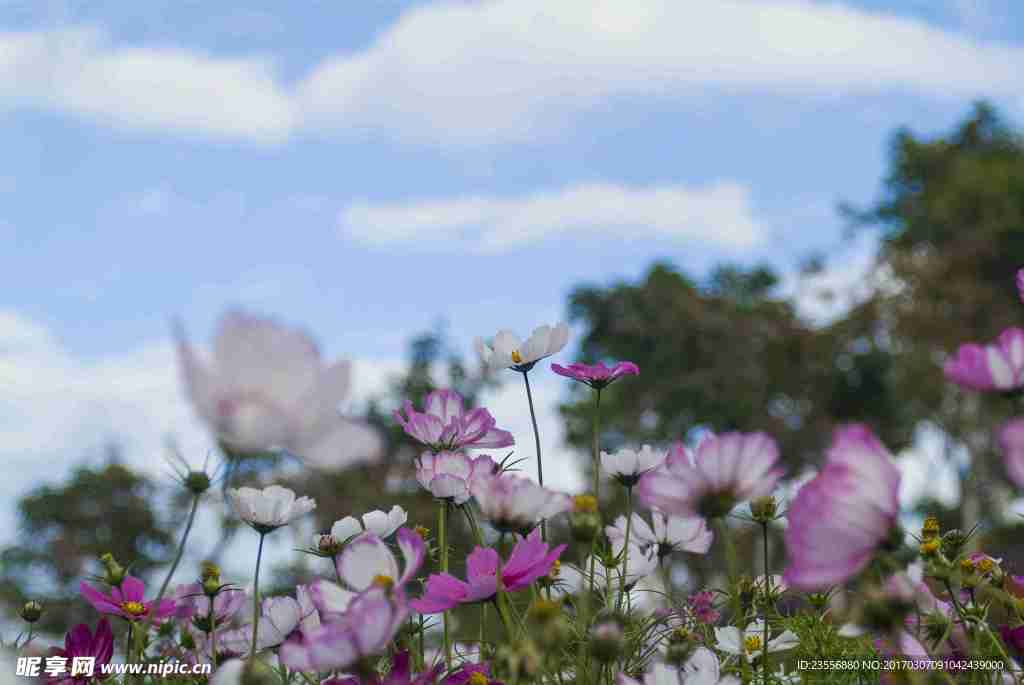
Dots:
pixel 788 213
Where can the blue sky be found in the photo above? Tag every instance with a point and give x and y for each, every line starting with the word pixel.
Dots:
pixel 364 169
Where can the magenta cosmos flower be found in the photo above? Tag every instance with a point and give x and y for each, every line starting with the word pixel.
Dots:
pixel 726 469
pixel 531 558
pixel 597 376
pixel 1011 442
pixel 192 604
pixel 445 425
pixel 1020 283
pixel 127 601
pixel 997 366
pixel 842 517
pixel 81 642
pixel 400 673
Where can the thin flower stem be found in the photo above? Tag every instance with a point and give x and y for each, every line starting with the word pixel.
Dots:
pixel 213 634
pixel 256 599
pixel 536 438
pixel 767 598
pixel 478 536
pixel 730 559
pixel 597 445
pixel 442 541
pixel 625 546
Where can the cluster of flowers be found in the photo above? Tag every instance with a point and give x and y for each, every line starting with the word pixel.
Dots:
pixel 600 608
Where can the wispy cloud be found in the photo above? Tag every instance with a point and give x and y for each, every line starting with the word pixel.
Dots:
pixel 719 213
pixel 505 69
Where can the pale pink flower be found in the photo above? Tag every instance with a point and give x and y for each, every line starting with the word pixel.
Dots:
pixel 1011 442
pixel 840 519
pixel 453 476
pixel 516 504
pixel 668 534
pixel 446 425
pixel 997 366
pixel 597 376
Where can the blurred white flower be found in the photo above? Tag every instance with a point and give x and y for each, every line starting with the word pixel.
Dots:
pixel 267 387
pixel 627 465
pixel 377 522
pixel 669 534
pixel 270 508
pixel 508 351
pixel 516 504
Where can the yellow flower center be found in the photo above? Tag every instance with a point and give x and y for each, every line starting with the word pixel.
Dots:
pixel 478 678
pixel 556 568
pixel 985 565
pixel 584 503
pixel 752 644
pixel 516 357
pixel 382 581
pixel 930 529
pixel 930 546
pixel 133 608
pixel 422 531
pixel 967 566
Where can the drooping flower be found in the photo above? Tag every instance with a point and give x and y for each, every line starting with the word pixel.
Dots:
pixel 507 351
pixel 750 643
pixel 995 366
pixel 669 534
pixel 377 522
pixel 1011 443
pixel 267 387
pixel 80 642
pixel 446 425
pixel 270 508
pixel 839 519
pixel 453 476
pixel 516 504
pixel 192 604
pixel 627 465
pixel 597 376
pixel 127 600
pixel 366 629
pixel 726 469
pixel 702 668
pixel 530 559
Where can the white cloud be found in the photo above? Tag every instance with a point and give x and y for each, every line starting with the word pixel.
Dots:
pixel 501 70
pixel 152 88
pixel 510 69
pixel 718 213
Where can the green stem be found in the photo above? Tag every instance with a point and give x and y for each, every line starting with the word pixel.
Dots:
pixel 597 446
pixel 177 560
pixel 256 599
pixel 442 541
pixel 213 634
pixel 731 568
pixel 625 547
pixel 767 596
pixel 478 536
pixel 536 439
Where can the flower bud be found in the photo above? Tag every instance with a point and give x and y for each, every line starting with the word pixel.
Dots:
pixel 197 482
pixel 257 673
pixel 328 545
pixel 521 661
pixel 930 529
pixel 187 641
pixel 606 641
pixel 585 526
pixel 930 548
pixel 31 612
pixel 953 542
pixel 818 600
pixel 543 611
pixel 115 572
pixel 764 509
pixel 422 531
pixel 681 644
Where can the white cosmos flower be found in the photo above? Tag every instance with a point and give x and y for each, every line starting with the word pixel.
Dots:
pixel 669 534
pixel 377 522
pixel 700 669
pixel 279 618
pixel 266 387
pixel 641 563
pixel 270 508
pixel 508 351
pixel 627 465
pixel 750 643
pixel 516 504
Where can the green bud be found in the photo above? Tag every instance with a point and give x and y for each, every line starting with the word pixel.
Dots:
pixel 607 641
pixel 680 647
pixel 585 526
pixel 764 509
pixel 953 542
pixel 258 673
pixel 115 572
pixel 197 482
pixel 187 641
pixel 31 612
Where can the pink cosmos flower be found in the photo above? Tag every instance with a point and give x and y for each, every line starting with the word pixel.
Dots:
pixel 126 601
pixel 1011 442
pixel 726 469
pixel 445 425
pixel 839 519
pixel 997 366
pixel 366 629
pixel 1020 283
pixel 516 504
pixel 531 558
pixel 453 476
pixel 267 387
pixel 597 376
pixel 81 642
pixel 192 604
